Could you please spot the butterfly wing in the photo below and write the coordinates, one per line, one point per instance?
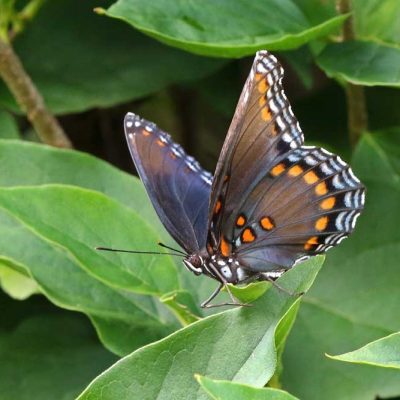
(178, 187)
(275, 201)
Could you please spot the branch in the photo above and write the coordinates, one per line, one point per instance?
(29, 98)
(357, 119)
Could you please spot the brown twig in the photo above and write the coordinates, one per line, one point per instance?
(29, 98)
(357, 119)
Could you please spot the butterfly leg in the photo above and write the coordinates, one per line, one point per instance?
(206, 303)
(282, 289)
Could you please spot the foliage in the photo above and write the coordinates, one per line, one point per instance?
(76, 322)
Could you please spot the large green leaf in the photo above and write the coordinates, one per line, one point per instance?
(79, 60)
(226, 28)
(364, 63)
(225, 390)
(80, 220)
(383, 352)
(46, 353)
(135, 320)
(234, 345)
(356, 296)
(47, 164)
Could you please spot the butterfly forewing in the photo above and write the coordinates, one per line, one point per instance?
(177, 186)
(276, 201)
(263, 130)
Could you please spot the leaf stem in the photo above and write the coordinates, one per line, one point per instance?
(357, 119)
(29, 98)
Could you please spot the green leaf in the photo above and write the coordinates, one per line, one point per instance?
(15, 284)
(79, 60)
(46, 353)
(383, 352)
(225, 390)
(8, 126)
(210, 346)
(363, 63)
(69, 216)
(135, 320)
(50, 165)
(182, 304)
(202, 28)
(377, 20)
(356, 295)
(251, 292)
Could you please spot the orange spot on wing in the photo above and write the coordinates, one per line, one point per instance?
(160, 143)
(328, 203)
(258, 76)
(263, 101)
(267, 223)
(278, 169)
(248, 235)
(217, 207)
(265, 114)
(311, 177)
(295, 170)
(311, 242)
(145, 133)
(321, 223)
(172, 155)
(225, 247)
(262, 86)
(321, 189)
(240, 221)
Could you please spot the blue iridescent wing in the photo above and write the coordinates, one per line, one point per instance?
(178, 187)
(271, 203)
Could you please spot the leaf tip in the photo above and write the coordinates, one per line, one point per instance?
(99, 10)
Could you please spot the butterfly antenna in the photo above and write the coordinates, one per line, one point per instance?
(171, 248)
(137, 252)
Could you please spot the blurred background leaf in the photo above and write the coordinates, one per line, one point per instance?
(46, 353)
(83, 61)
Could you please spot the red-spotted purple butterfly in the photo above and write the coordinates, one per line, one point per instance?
(272, 202)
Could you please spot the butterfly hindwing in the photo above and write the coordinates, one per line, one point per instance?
(177, 186)
(312, 205)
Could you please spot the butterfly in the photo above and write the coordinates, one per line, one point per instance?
(272, 202)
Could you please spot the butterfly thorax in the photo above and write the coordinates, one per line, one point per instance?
(218, 267)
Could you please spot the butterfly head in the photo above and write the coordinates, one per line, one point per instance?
(194, 263)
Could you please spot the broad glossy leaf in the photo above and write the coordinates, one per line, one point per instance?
(225, 390)
(383, 352)
(8, 126)
(79, 220)
(79, 60)
(363, 63)
(135, 320)
(46, 353)
(356, 296)
(226, 28)
(47, 164)
(210, 346)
